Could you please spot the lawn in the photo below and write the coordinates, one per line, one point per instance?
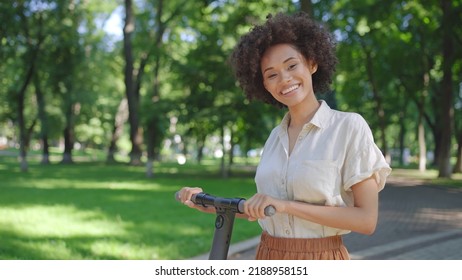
(98, 211)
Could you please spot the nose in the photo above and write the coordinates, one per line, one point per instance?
(286, 76)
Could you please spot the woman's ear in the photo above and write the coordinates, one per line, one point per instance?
(313, 67)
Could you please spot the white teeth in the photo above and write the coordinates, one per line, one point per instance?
(286, 91)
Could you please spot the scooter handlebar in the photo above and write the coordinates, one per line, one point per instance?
(234, 204)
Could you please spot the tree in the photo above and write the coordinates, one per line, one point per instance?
(156, 120)
(393, 31)
(27, 34)
(132, 84)
(447, 94)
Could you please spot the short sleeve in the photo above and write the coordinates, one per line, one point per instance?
(363, 158)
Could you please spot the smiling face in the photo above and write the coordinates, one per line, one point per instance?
(287, 74)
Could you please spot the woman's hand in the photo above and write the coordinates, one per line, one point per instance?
(185, 194)
(255, 206)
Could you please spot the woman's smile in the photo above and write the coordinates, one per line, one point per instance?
(290, 89)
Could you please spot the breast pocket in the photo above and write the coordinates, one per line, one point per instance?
(316, 182)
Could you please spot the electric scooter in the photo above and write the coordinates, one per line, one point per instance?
(226, 209)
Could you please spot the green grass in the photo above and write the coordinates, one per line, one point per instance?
(99, 211)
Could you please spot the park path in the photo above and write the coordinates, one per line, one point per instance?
(416, 222)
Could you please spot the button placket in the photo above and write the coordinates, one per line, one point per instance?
(283, 186)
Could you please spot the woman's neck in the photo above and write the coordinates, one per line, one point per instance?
(301, 115)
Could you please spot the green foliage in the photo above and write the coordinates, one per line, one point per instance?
(186, 44)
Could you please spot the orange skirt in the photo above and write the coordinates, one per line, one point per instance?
(277, 248)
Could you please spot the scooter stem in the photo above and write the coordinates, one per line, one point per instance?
(222, 238)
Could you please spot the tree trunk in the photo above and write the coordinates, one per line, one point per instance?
(401, 137)
(30, 60)
(231, 150)
(447, 107)
(42, 115)
(71, 107)
(436, 131)
(402, 130)
(224, 170)
(22, 133)
(152, 127)
(200, 148)
(119, 120)
(68, 135)
(422, 146)
(421, 128)
(130, 90)
(458, 165)
(458, 131)
(151, 146)
(45, 151)
(231, 153)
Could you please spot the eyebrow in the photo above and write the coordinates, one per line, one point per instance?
(269, 68)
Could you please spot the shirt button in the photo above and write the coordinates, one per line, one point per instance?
(287, 232)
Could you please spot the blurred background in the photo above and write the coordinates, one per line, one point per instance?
(102, 101)
(149, 80)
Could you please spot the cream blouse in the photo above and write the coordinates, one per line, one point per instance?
(334, 151)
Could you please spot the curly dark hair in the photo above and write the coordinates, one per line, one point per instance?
(310, 38)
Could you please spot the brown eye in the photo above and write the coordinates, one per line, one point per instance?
(292, 66)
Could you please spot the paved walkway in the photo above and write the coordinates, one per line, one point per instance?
(416, 222)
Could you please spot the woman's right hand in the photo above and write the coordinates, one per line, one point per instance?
(185, 194)
(255, 206)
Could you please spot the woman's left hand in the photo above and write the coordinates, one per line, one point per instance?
(255, 206)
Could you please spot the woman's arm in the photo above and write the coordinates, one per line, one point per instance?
(362, 217)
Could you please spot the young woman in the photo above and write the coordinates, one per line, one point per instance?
(320, 168)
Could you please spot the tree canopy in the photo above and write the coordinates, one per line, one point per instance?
(151, 79)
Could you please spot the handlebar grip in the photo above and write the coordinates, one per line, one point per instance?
(269, 210)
